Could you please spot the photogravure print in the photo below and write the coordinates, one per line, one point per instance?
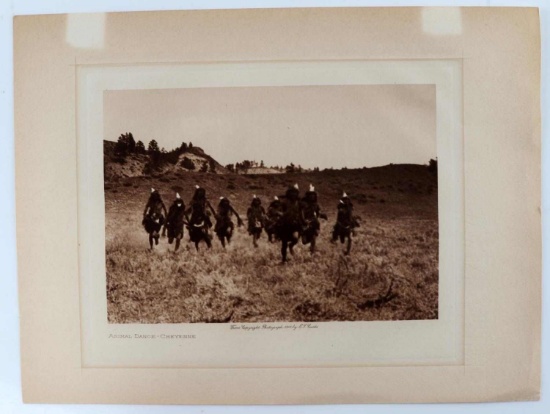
(118, 317)
(270, 204)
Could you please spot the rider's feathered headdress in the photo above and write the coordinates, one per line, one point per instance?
(197, 186)
(222, 197)
(276, 198)
(178, 196)
(344, 195)
(254, 196)
(311, 188)
(296, 186)
(152, 190)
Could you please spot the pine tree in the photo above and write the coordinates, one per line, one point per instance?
(140, 148)
(153, 147)
(121, 147)
(130, 142)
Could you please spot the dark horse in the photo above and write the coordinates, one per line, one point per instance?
(153, 217)
(289, 225)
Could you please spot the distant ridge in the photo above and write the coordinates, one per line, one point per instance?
(191, 160)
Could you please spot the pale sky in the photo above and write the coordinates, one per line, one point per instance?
(315, 126)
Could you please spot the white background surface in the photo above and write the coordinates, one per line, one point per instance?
(10, 391)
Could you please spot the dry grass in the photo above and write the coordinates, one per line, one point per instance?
(391, 274)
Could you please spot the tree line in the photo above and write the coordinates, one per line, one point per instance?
(245, 166)
(126, 144)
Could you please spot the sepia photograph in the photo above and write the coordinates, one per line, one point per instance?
(280, 206)
(270, 204)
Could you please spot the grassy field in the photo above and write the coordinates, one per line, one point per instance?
(391, 274)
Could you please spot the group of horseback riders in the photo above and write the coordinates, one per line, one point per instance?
(289, 217)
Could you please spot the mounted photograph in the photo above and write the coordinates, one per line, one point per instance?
(266, 204)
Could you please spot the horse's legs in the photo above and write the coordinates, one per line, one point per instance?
(197, 245)
(151, 241)
(177, 244)
(255, 239)
(222, 239)
(208, 241)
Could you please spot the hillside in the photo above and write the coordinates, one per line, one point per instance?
(391, 191)
(136, 165)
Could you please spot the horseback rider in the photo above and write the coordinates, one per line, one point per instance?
(153, 217)
(175, 221)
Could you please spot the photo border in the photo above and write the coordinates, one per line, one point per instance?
(442, 340)
(502, 196)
